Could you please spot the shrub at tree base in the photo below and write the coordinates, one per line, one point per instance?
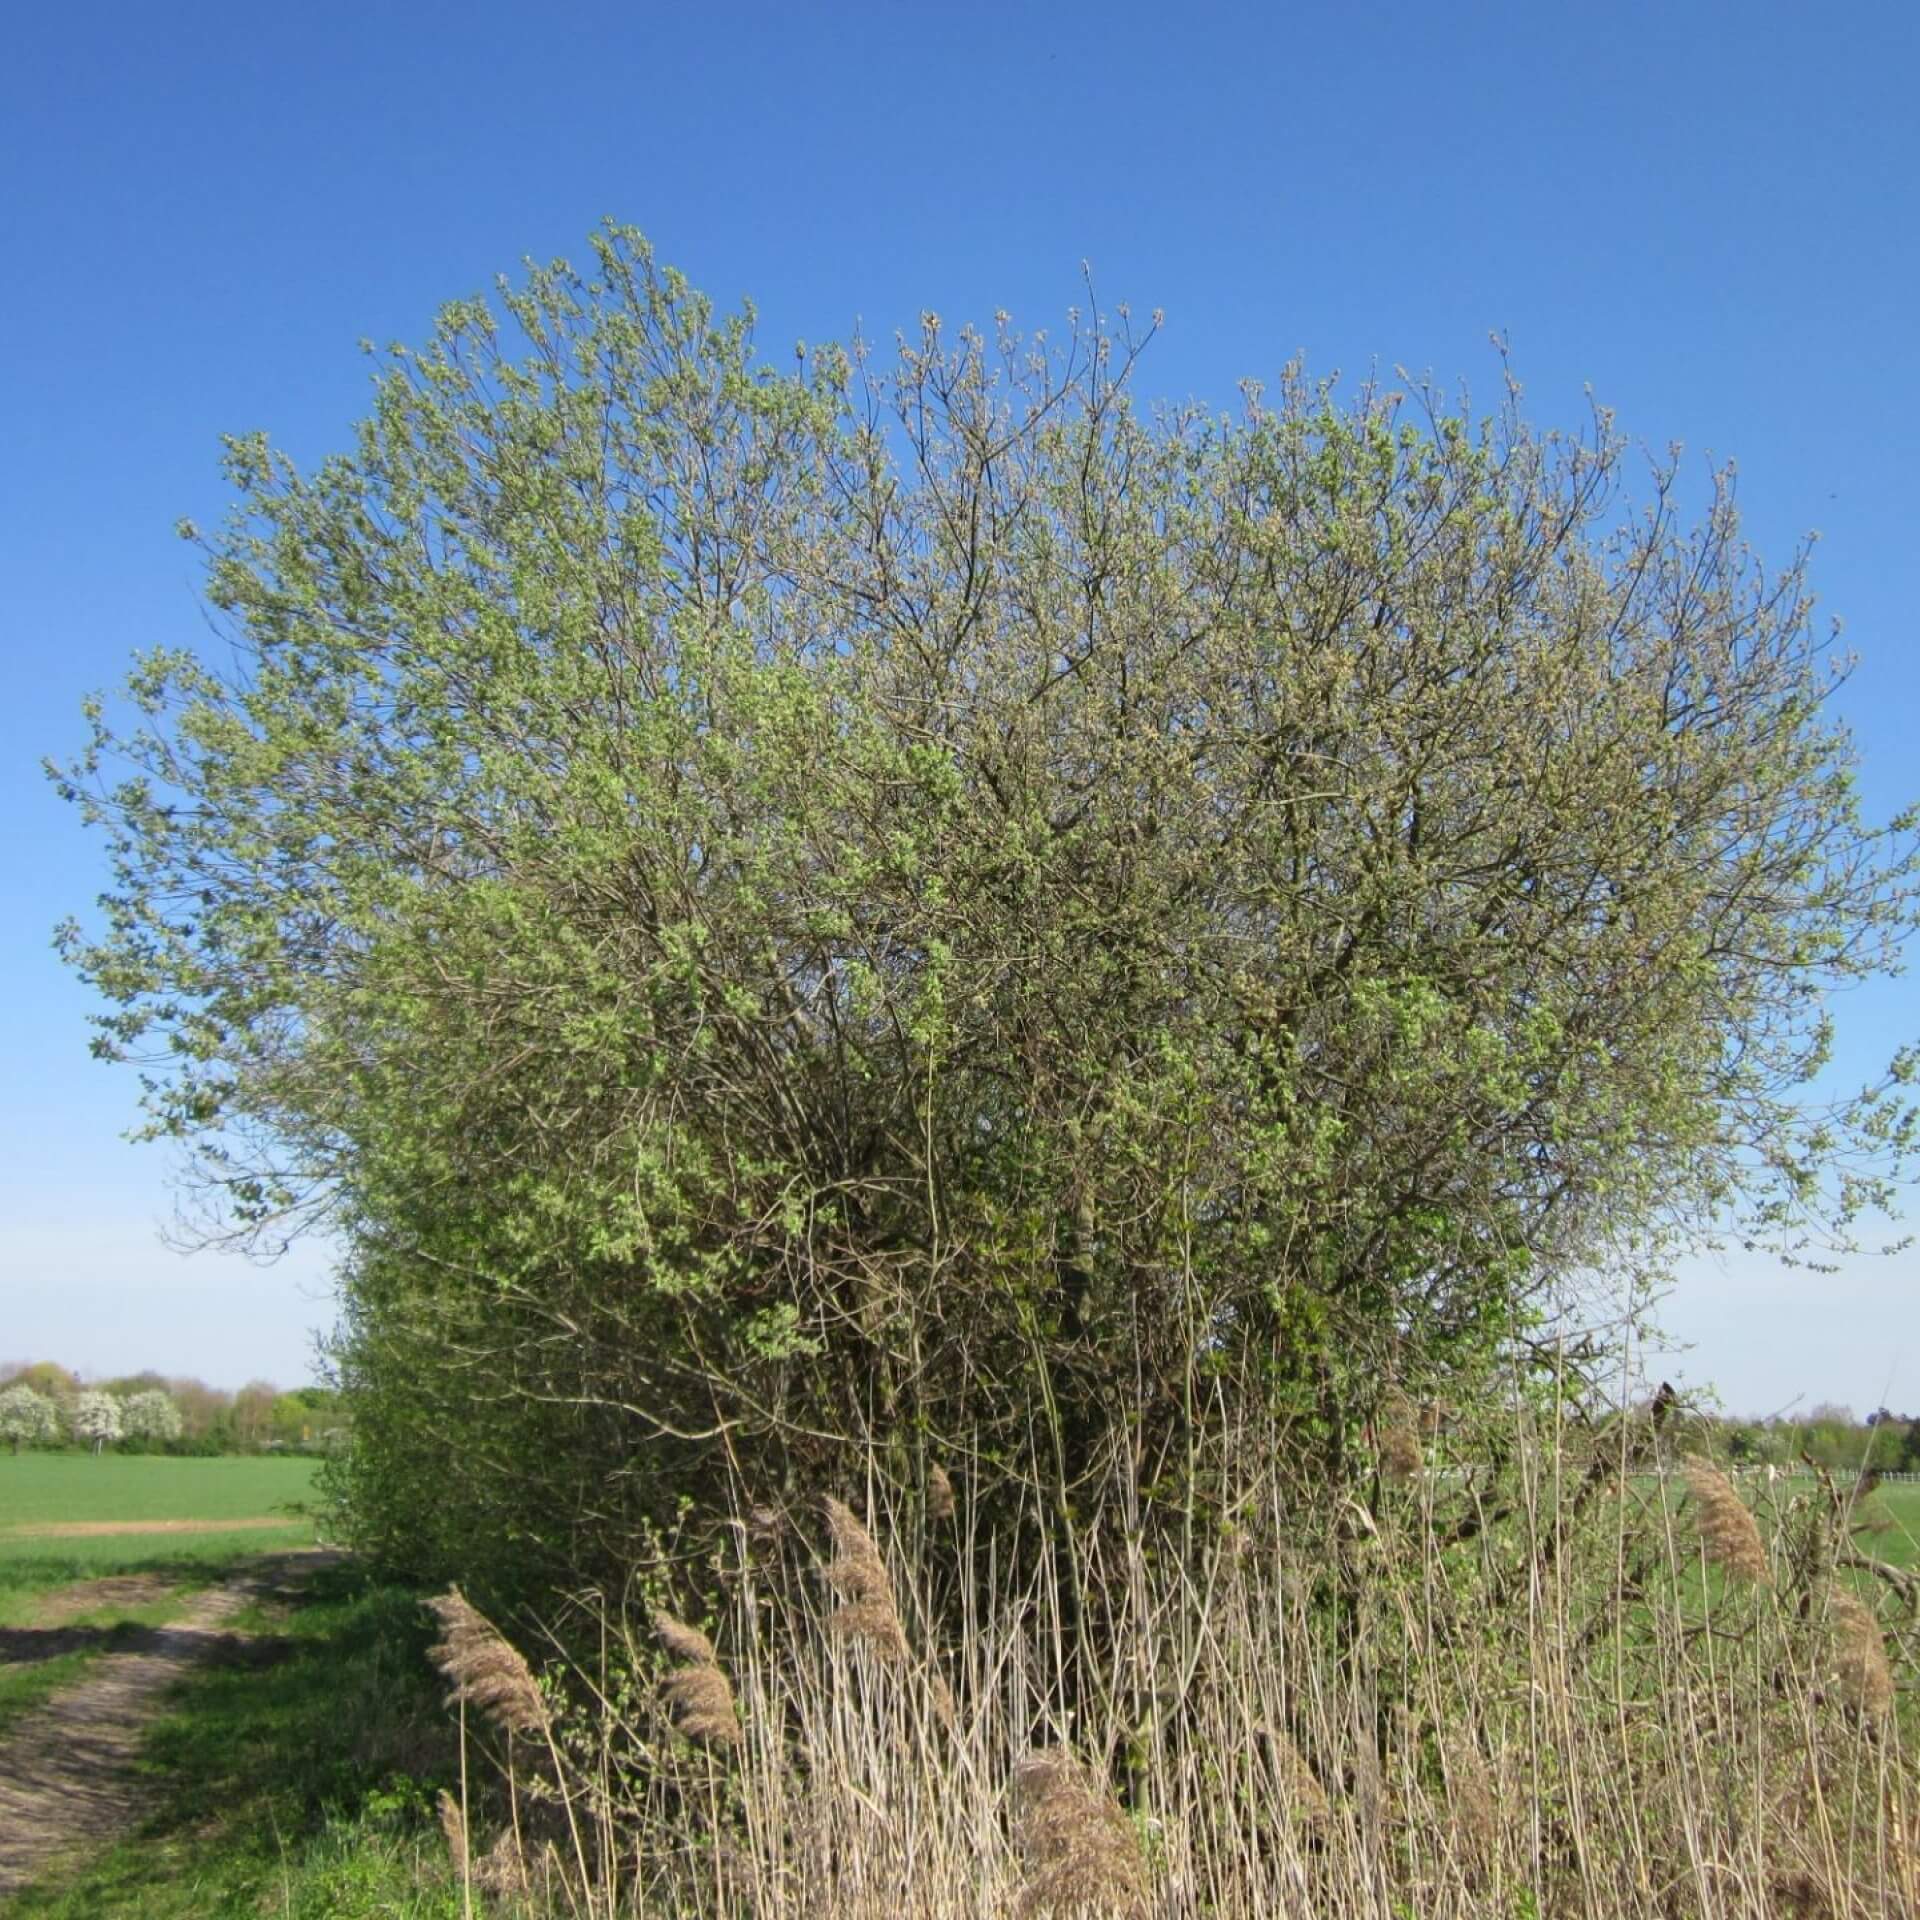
(934, 907)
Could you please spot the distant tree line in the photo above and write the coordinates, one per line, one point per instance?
(46, 1405)
(1828, 1436)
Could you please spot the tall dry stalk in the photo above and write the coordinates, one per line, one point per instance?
(1541, 1715)
(490, 1674)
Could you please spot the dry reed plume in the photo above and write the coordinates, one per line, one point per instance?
(940, 1501)
(698, 1693)
(868, 1612)
(1728, 1532)
(453, 1825)
(1470, 1795)
(1397, 1427)
(501, 1871)
(1301, 1795)
(1083, 1856)
(487, 1672)
(1859, 1654)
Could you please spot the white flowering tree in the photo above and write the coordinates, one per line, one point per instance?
(151, 1416)
(97, 1417)
(27, 1418)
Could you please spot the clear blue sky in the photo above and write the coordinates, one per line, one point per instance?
(1709, 213)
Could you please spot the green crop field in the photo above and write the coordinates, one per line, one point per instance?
(50, 1489)
(69, 1517)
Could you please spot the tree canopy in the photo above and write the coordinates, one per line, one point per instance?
(27, 1418)
(917, 897)
(96, 1416)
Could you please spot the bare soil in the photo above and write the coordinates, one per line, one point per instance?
(90, 1529)
(67, 1780)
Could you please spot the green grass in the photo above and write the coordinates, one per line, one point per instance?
(42, 1562)
(1898, 1545)
(49, 1489)
(301, 1789)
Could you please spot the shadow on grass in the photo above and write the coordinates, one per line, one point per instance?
(32, 1572)
(25, 1646)
(301, 1788)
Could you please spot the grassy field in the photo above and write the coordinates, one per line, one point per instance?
(300, 1782)
(54, 1489)
(172, 1513)
(1897, 1543)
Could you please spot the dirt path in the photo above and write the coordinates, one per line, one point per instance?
(67, 1783)
(98, 1529)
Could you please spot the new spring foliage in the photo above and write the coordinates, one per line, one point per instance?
(871, 897)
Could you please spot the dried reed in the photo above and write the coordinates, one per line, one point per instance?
(1728, 1533)
(1302, 1796)
(1585, 1743)
(940, 1501)
(1397, 1431)
(487, 1672)
(453, 1825)
(490, 1674)
(1083, 1856)
(501, 1871)
(868, 1612)
(698, 1693)
(1470, 1799)
(1859, 1654)
(687, 1644)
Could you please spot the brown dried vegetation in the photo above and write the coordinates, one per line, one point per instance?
(1398, 1424)
(698, 1694)
(868, 1614)
(940, 1501)
(1728, 1533)
(1083, 1857)
(1859, 1654)
(486, 1671)
(1354, 1727)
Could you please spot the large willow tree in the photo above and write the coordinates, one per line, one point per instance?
(930, 905)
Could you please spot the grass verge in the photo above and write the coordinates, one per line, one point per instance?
(299, 1786)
